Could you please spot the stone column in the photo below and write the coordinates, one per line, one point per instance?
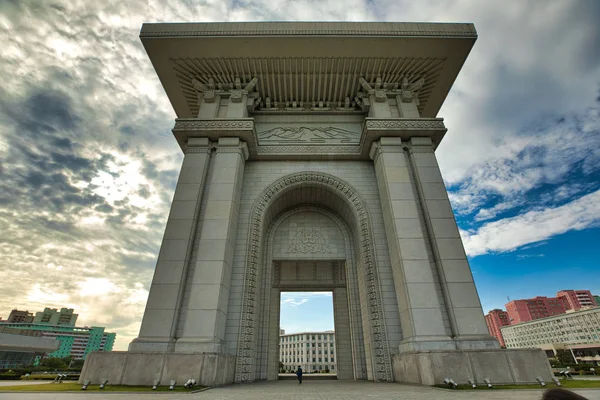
(467, 322)
(421, 313)
(343, 341)
(272, 359)
(162, 309)
(204, 324)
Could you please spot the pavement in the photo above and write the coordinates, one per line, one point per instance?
(309, 390)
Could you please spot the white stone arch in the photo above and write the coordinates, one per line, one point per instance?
(350, 206)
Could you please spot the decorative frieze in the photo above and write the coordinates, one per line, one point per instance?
(308, 149)
(191, 150)
(213, 124)
(420, 149)
(404, 123)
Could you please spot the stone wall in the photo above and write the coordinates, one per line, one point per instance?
(500, 366)
(129, 368)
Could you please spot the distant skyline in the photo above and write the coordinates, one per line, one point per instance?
(88, 163)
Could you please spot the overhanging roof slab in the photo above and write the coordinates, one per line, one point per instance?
(307, 61)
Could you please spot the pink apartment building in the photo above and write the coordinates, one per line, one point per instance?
(496, 319)
(577, 299)
(539, 307)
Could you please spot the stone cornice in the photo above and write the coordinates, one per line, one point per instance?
(405, 128)
(213, 124)
(420, 149)
(196, 150)
(394, 29)
(402, 124)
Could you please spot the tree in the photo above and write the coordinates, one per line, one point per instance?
(564, 357)
(77, 364)
(54, 363)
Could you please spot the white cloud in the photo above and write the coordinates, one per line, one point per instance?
(293, 302)
(534, 226)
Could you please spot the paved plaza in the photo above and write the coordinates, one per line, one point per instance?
(309, 390)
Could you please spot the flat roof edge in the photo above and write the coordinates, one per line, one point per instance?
(225, 29)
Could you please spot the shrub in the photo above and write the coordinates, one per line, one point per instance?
(49, 377)
(9, 377)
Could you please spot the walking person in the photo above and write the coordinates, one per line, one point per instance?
(299, 374)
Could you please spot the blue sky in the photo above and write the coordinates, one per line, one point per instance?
(88, 164)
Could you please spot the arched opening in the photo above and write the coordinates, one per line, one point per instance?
(351, 274)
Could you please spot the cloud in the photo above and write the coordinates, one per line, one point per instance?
(295, 299)
(534, 226)
(293, 302)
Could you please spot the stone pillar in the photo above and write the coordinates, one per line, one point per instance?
(343, 341)
(421, 314)
(271, 363)
(162, 309)
(467, 322)
(203, 329)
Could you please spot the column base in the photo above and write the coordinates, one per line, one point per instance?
(152, 344)
(476, 342)
(512, 366)
(198, 345)
(426, 343)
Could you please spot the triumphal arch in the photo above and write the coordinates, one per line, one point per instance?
(310, 165)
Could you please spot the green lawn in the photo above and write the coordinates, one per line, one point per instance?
(73, 386)
(567, 384)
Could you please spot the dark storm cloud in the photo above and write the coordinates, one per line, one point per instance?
(51, 109)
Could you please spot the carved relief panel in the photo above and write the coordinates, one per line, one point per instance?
(308, 235)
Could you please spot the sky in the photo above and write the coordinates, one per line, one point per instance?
(88, 164)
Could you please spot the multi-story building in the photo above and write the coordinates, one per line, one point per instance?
(530, 309)
(18, 316)
(51, 316)
(74, 341)
(313, 351)
(578, 331)
(496, 319)
(577, 299)
(18, 351)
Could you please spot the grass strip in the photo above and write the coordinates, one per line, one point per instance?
(76, 387)
(567, 384)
